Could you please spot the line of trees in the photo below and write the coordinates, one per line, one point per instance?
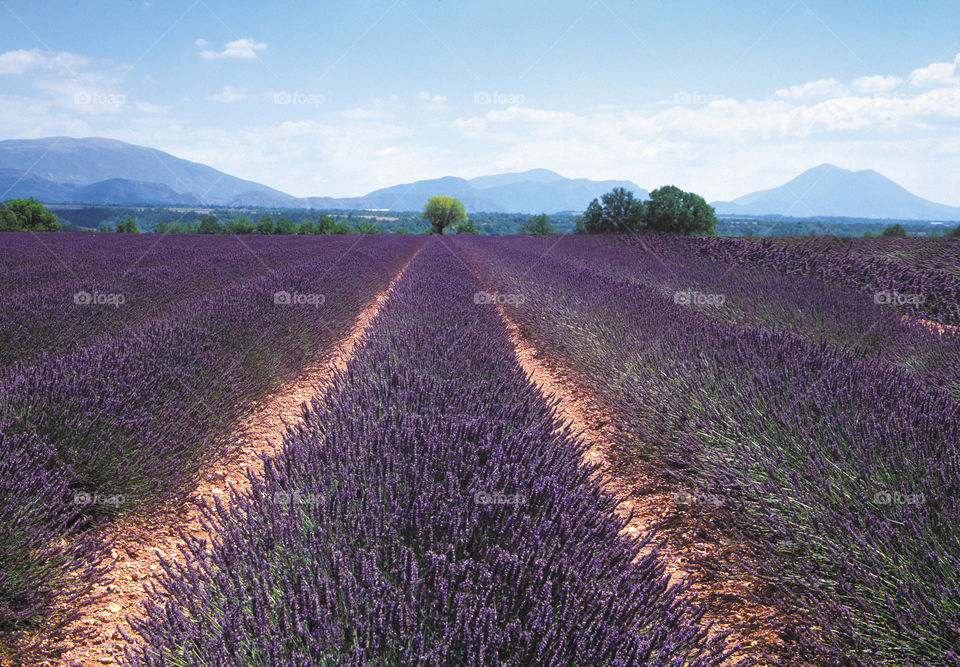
(669, 210)
(267, 224)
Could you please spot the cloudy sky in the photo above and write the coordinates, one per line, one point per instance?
(340, 98)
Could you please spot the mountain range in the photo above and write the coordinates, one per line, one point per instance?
(107, 171)
(828, 190)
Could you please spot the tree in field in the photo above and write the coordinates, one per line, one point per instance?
(306, 227)
(265, 225)
(285, 226)
(537, 225)
(896, 230)
(620, 213)
(674, 211)
(442, 211)
(468, 226)
(324, 224)
(954, 232)
(27, 215)
(128, 226)
(210, 225)
(241, 225)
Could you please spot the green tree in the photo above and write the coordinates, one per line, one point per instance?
(402, 230)
(210, 225)
(675, 211)
(443, 211)
(324, 224)
(161, 227)
(367, 226)
(537, 225)
(27, 215)
(285, 226)
(342, 227)
(468, 226)
(306, 227)
(954, 232)
(896, 230)
(241, 225)
(265, 225)
(619, 213)
(128, 226)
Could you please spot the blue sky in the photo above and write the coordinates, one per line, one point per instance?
(335, 98)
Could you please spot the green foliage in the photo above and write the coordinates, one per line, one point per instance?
(468, 226)
(104, 227)
(955, 232)
(27, 215)
(620, 213)
(242, 225)
(897, 230)
(367, 226)
(128, 226)
(537, 225)
(869, 234)
(324, 224)
(285, 226)
(210, 225)
(402, 230)
(306, 227)
(443, 211)
(265, 225)
(669, 210)
(674, 211)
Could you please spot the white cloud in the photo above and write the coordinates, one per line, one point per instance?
(243, 49)
(937, 74)
(22, 61)
(876, 85)
(229, 95)
(822, 88)
(433, 102)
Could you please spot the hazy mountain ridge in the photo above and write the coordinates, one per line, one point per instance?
(107, 171)
(828, 190)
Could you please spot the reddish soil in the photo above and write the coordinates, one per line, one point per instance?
(755, 627)
(95, 638)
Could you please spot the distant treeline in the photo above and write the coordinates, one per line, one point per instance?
(292, 221)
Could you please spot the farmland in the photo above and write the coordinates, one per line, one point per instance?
(778, 482)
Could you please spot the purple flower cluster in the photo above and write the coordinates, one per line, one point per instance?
(126, 421)
(835, 470)
(444, 518)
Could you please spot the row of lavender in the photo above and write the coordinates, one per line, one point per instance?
(61, 291)
(842, 316)
(920, 283)
(429, 511)
(838, 474)
(123, 424)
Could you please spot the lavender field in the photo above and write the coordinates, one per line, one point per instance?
(797, 405)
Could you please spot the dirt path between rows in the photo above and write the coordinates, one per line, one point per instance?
(95, 638)
(752, 626)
